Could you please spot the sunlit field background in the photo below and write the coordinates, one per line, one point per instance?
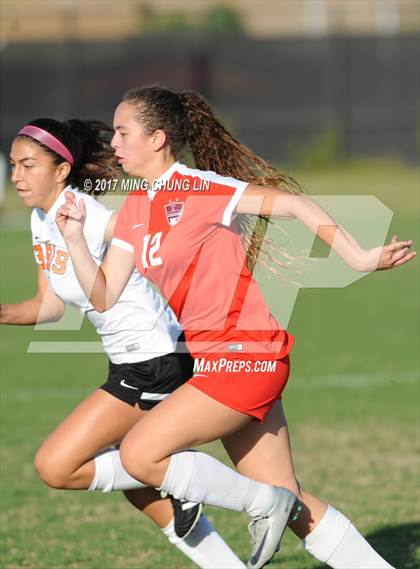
(352, 404)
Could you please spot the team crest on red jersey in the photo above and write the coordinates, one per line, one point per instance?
(174, 211)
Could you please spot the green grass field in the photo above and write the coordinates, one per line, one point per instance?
(352, 404)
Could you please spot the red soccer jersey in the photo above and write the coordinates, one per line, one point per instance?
(185, 240)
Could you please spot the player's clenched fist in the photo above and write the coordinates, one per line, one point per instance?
(70, 217)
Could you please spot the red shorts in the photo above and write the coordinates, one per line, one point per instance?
(248, 386)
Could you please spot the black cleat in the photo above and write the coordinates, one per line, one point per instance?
(186, 516)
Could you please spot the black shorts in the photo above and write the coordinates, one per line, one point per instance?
(148, 382)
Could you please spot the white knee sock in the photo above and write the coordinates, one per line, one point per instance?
(337, 542)
(198, 477)
(204, 546)
(110, 474)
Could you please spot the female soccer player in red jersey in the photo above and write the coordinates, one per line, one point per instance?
(187, 243)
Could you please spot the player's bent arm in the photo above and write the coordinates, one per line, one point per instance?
(102, 285)
(45, 306)
(259, 200)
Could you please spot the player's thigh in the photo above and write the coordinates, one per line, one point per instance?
(98, 422)
(188, 417)
(262, 450)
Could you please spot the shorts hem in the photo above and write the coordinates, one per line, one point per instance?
(258, 415)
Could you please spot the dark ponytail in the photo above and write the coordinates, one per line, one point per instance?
(89, 144)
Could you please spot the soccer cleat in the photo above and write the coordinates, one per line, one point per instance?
(267, 531)
(186, 516)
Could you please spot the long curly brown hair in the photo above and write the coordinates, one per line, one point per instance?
(187, 118)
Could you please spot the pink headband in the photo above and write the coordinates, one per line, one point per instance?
(48, 140)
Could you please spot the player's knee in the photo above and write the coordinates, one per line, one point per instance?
(139, 464)
(50, 470)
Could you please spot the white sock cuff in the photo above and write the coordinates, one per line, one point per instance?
(94, 484)
(328, 533)
(110, 474)
(169, 531)
(179, 462)
(337, 542)
(104, 472)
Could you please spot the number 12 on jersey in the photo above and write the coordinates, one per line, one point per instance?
(151, 245)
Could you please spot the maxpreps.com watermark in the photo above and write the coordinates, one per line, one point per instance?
(224, 365)
(127, 185)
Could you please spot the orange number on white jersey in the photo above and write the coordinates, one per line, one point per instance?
(39, 255)
(51, 259)
(49, 253)
(60, 262)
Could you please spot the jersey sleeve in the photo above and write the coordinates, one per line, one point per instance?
(222, 198)
(42, 249)
(123, 229)
(35, 227)
(97, 218)
(40, 234)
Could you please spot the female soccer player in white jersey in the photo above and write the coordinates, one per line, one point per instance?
(138, 333)
(187, 243)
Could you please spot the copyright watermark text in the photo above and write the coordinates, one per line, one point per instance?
(128, 185)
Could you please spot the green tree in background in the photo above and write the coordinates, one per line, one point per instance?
(220, 18)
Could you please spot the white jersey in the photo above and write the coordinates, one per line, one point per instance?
(139, 326)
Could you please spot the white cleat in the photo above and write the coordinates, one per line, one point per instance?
(267, 532)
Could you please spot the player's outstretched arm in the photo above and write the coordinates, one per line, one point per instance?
(259, 200)
(45, 306)
(102, 285)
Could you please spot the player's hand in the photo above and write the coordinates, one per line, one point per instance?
(395, 254)
(70, 218)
